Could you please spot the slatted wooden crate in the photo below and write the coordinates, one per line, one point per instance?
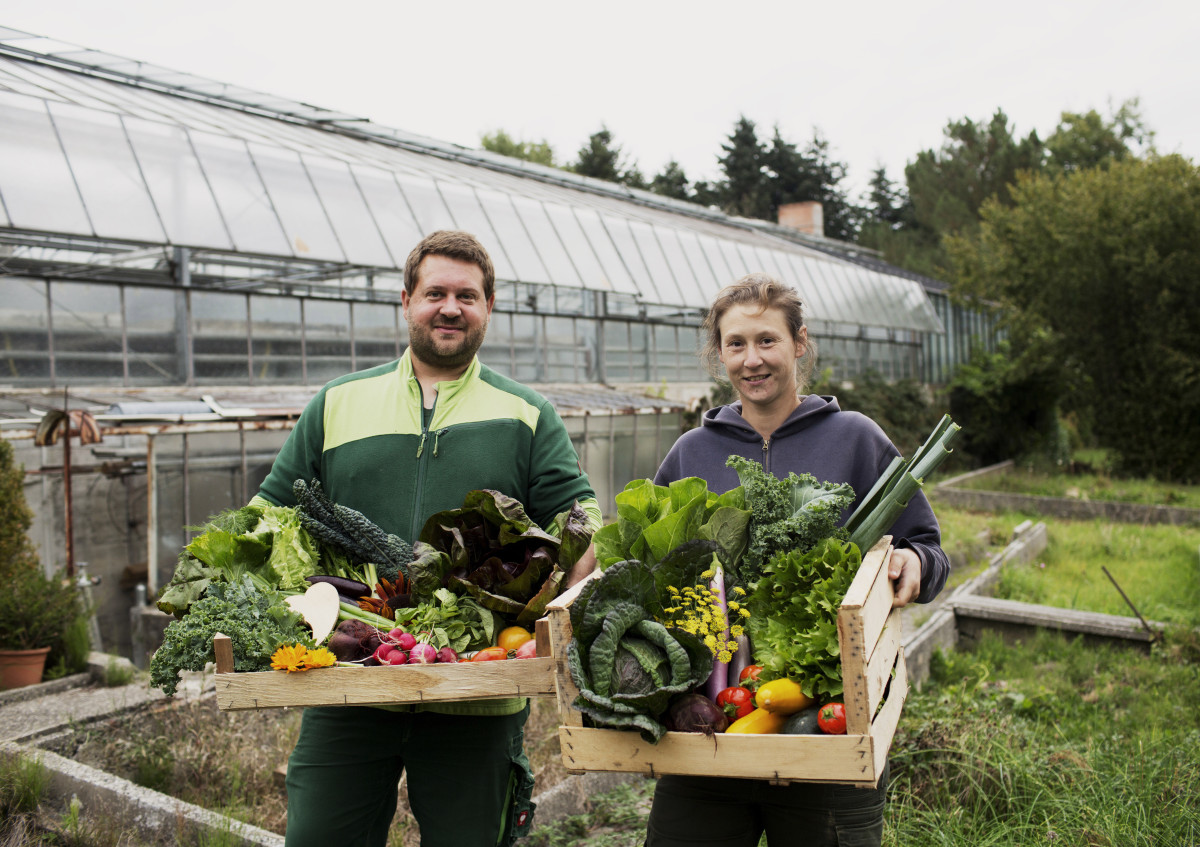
(384, 685)
(872, 664)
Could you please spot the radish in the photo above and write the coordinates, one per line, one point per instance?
(383, 652)
(422, 654)
(405, 640)
(447, 655)
(397, 657)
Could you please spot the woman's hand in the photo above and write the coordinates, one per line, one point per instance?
(904, 570)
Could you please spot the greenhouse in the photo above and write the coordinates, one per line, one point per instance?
(185, 262)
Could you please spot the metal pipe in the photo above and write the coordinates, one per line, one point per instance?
(151, 519)
(70, 535)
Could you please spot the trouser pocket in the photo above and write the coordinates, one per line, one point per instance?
(521, 806)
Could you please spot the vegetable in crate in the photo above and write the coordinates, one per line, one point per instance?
(492, 551)
(626, 664)
(793, 514)
(652, 520)
(351, 532)
(256, 621)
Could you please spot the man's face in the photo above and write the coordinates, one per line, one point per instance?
(447, 313)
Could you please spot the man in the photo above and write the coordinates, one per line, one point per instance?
(398, 443)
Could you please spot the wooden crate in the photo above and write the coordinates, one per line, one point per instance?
(384, 685)
(869, 636)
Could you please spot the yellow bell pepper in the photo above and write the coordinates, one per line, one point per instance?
(781, 696)
(758, 721)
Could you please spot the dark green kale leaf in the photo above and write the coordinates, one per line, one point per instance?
(256, 621)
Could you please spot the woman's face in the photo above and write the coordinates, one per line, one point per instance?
(759, 355)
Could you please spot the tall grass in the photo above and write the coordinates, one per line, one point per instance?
(1051, 742)
(1040, 482)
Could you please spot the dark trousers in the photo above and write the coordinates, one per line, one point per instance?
(717, 812)
(469, 781)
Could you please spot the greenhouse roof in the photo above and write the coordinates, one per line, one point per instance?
(108, 164)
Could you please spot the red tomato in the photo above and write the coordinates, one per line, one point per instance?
(832, 719)
(736, 702)
(490, 654)
(528, 650)
(748, 678)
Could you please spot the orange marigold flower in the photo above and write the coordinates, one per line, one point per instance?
(319, 658)
(289, 658)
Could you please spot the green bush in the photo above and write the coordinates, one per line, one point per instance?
(1008, 406)
(16, 550)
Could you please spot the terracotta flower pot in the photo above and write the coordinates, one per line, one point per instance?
(19, 668)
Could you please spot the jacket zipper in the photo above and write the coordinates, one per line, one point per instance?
(422, 466)
(766, 459)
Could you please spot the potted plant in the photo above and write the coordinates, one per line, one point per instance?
(35, 609)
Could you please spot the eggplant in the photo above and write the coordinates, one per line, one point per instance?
(345, 587)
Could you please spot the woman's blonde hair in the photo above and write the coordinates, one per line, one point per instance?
(766, 292)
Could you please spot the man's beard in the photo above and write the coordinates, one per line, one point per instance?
(446, 354)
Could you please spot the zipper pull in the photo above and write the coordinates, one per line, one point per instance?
(421, 446)
(766, 453)
(436, 436)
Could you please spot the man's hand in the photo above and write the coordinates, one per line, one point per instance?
(904, 570)
(585, 565)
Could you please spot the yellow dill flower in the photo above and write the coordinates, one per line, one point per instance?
(708, 574)
(734, 605)
(319, 658)
(710, 641)
(725, 656)
(289, 658)
(737, 630)
(745, 613)
(739, 591)
(672, 589)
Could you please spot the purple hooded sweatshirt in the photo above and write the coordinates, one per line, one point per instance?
(818, 438)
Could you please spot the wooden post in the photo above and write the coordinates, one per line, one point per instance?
(223, 650)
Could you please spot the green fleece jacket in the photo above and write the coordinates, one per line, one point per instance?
(364, 438)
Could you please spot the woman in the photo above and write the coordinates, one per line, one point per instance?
(756, 335)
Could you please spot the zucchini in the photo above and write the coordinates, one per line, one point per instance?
(803, 722)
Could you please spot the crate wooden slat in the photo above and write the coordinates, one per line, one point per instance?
(869, 636)
(385, 685)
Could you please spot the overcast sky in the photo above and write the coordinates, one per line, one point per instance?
(880, 80)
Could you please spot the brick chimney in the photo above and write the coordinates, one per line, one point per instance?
(807, 217)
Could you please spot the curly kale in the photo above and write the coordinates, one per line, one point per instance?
(792, 514)
(256, 621)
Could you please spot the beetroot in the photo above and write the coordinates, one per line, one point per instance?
(695, 713)
(354, 640)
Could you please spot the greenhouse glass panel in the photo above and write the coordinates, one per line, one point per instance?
(702, 270)
(24, 323)
(88, 332)
(861, 299)
(182, 196)
(639, 352)
(469, 217)
(737, 263)
(391, 212)
(153, 317)
(515, 240)
(618, 361)
(295, 200)
(686, 277)
(326, 340)
(723, 273)
(588, 345)
(583, 258)
(356, 229)
(622, 238)
(809, 289)
(106, 172)
(666, 353)
(35, 181)
(615, 273)
(661, 272)
(220, 345)
(545, 238)
(768, 260)
(563, 353)
(496, 351)
(376, 339)
(426, 203)
(527, 345)
(241, 195)
(276, 348)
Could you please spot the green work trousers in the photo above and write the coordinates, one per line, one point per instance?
(691, 811)
(469, 781)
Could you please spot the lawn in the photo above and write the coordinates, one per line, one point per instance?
(1085, 486)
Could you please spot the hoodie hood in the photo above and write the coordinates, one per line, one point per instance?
(729, 420)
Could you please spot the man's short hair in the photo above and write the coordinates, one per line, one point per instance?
(453, 244)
